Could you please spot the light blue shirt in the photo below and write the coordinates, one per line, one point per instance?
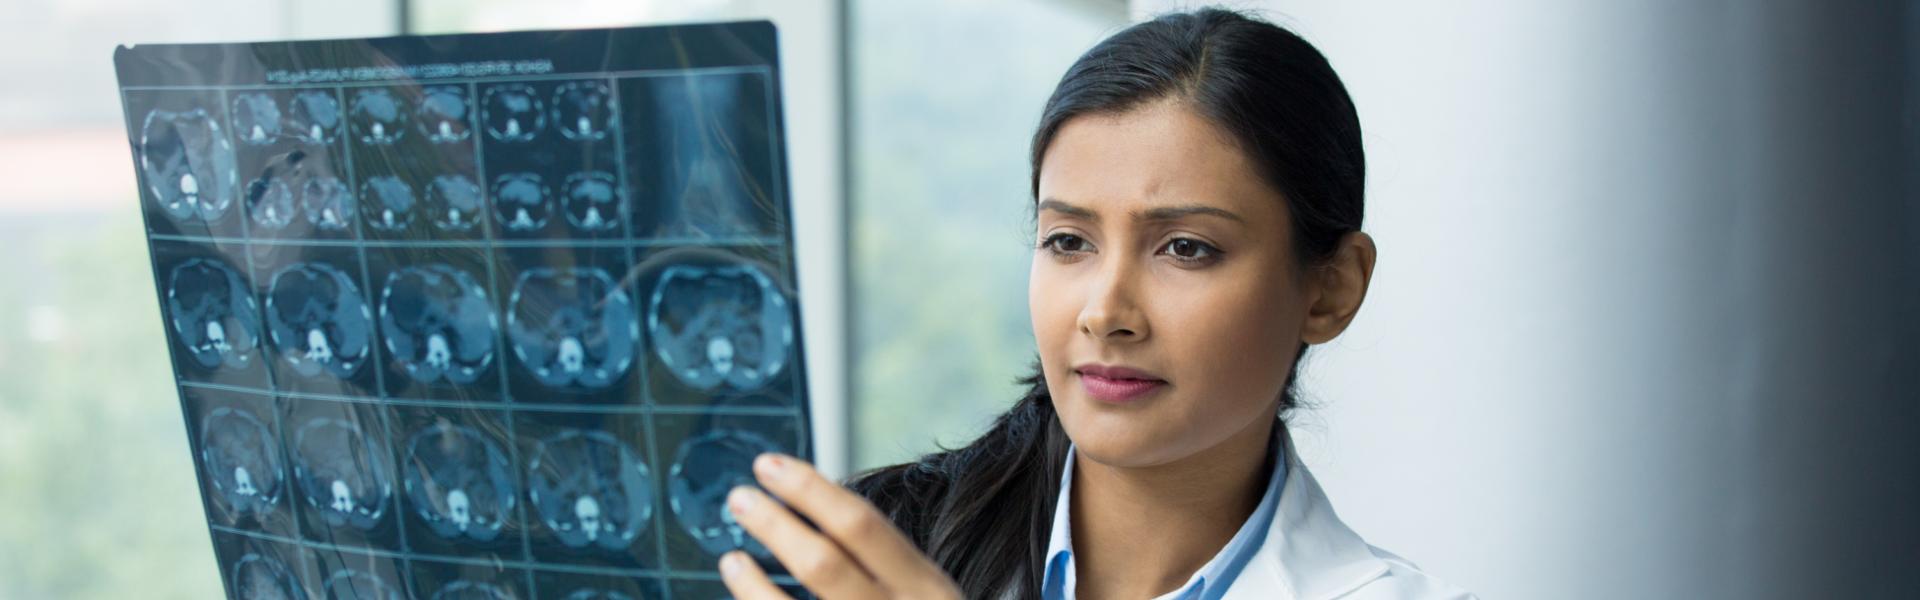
(1210, 582)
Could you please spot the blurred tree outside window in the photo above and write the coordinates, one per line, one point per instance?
(97, 492)
(945, 95)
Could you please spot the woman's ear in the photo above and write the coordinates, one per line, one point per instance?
(1339, 288)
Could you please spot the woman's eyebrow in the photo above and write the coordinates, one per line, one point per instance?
(1068, 209)
(1164, 213)
(1169, 213)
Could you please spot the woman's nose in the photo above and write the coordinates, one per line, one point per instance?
(1112, 312)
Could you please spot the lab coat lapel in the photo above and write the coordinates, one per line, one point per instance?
(1309, 553)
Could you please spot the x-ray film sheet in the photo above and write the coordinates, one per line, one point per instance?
(496, 316)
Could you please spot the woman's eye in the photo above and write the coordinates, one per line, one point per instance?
(1065, 243)
(1192, 250)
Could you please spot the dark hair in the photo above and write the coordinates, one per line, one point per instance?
(983, 512)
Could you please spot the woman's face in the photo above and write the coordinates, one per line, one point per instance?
(1165, 298)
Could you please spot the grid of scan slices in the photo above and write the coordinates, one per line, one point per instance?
(476, 338)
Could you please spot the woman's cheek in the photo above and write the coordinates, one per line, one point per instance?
(1236, 339)
(1050, 306)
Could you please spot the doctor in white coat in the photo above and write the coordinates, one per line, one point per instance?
(1198, 190)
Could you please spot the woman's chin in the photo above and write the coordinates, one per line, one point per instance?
(1123, 440)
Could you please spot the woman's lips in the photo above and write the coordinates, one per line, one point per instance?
(1117, 385)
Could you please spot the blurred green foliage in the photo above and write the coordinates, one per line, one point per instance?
(97, 492)
(945, 96)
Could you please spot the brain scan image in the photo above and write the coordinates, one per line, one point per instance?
(520, 201)
(256, 118)
(715, 326)
(572, 327)
(271, 202)
(259, 577)
(591, 200)
(242, 461)
(513, 112)
(349, 584)
(392, 202)
(442, 115)
(438, 324)
(471, 590)
(378, 117)
(704, 470)
(583, 110)
(590, 489)
(189, 164)
(327, 203)
(339, 473)
(461, 485)
(454, 203)
(314, 117)
(318, 320)
(213, 313)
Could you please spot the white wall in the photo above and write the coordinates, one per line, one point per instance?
(1644, 285)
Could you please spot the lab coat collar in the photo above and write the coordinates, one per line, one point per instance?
(1309, 552)
(1211, 580)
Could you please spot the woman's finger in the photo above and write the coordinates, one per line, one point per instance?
(855, 525)
(745, 580)
(813, 559)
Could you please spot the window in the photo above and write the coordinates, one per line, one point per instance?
(944, 98)
(82, 355)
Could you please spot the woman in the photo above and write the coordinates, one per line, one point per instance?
(1198, 197)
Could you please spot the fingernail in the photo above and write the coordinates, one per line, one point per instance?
(769, 464)
(730, 564)
(740, 500)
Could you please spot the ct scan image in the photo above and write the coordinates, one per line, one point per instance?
(492, 316)
(354, 575)
(344, 482)
(252, 567)
(461, 485)
(720, 323)
(245, 476)
(212, 315)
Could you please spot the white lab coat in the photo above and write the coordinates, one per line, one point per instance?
(1309, 554)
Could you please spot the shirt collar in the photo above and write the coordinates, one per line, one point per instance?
(1214, 578)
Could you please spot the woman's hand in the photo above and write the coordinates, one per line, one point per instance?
(857, 553)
